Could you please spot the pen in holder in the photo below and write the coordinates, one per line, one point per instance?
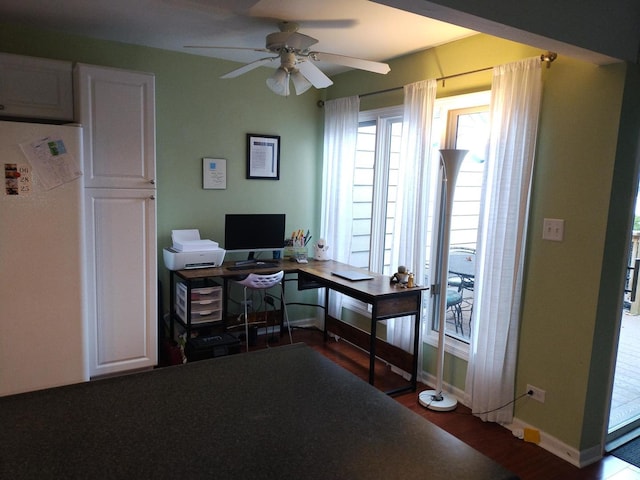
(295, 253)
(296, 247)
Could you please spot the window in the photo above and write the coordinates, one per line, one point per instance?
(463, 122)
(468, 128)
(459, 122)
(375, 188)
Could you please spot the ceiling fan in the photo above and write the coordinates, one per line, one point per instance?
(292, 49)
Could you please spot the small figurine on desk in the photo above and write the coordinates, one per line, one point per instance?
(320, 250)
(401, 276)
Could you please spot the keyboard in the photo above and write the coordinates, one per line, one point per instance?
(252, 266)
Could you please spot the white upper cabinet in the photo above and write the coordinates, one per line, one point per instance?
(36, 88)
(117, 111)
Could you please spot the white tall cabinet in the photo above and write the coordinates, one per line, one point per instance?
(117, 111)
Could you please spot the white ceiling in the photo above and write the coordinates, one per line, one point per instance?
(357, 28)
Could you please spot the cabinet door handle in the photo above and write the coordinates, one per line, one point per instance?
(152, 197)
(152, 181)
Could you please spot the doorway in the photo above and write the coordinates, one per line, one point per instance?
(624, 414)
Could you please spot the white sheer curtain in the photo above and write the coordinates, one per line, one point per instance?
(409, 245)
(340, 139)
(515, 103)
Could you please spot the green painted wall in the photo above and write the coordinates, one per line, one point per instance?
(569, 316)
(573, 175)
(199, 115)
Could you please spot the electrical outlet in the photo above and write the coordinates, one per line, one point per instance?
(536, 393)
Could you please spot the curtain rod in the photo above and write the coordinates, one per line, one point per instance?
(439, 79)
(545, 57)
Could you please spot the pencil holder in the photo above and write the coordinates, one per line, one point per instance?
(294, 253)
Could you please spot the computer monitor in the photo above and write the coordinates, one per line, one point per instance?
(254, 232)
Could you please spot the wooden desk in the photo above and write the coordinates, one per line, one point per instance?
(225, 273)
(387, 301)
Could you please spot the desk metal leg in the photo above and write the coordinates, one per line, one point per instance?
(413, 385)
(372, 345)
(326, 312)
(172, 305)
(409, 308)
(416, 343)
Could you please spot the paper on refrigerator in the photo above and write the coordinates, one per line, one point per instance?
(50, 160)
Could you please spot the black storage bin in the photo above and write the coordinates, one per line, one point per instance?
(210, 346)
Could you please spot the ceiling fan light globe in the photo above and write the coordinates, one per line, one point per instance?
(278, 83)
(300, 83)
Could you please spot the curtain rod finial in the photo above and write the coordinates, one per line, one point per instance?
(548, 57)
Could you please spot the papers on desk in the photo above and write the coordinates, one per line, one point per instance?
(189, 241)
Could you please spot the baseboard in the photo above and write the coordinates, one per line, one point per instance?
(578, 458)
(310, 322)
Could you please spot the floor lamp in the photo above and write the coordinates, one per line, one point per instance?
(450, 161)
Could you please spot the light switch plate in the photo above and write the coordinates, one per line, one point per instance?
(553, 229)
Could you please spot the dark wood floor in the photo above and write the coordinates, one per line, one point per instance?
(527, 460)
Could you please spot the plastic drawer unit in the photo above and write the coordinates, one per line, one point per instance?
(203, 306)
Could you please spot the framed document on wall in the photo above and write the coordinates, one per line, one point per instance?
(214, 173)
(263, 156)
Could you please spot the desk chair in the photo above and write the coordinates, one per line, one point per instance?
(263, 282)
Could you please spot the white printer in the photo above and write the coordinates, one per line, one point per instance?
(189, 251)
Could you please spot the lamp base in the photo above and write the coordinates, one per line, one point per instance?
(438, 401)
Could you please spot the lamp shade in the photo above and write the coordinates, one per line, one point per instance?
(278, 83)
(300, 83)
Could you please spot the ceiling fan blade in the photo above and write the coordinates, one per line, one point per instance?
(268, 19)
(228, 48)
(359, 63)
(314, 74)
(249, 66)
(336, 23)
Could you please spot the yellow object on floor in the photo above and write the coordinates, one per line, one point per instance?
(531, 435)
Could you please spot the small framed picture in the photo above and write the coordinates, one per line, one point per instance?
(263, 156)
(214, 173)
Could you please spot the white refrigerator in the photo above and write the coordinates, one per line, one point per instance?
(42, 318)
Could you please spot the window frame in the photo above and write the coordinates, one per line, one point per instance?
(458, 105)
(464, 103)
(383, 118)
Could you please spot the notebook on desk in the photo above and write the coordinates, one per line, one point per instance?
(353, 275)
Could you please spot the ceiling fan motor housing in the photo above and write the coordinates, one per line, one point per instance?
(288, 61)
(289, 41)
